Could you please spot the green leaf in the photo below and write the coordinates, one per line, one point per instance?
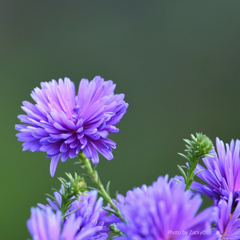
(77, 163)
(86, 175)
(187, 141)
(54, 190)
(50, 196)
(108, 188)
(92, 188)
(71, 201)
(116, 194)
(70, 213)
(182, 171)
(177, 180)
(198, 172)
(182, 166)
(54, 200)
(111, 211)
(63, 181)
(102, 195)
(181, 154)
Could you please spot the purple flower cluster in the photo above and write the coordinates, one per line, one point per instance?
(62, 124)
(164, 211)
(222, 174)
(85, 223)
(223, 178)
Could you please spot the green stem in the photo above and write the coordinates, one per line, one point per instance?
(94, 176)
(197, 148)
(190, 174)
(65, 206)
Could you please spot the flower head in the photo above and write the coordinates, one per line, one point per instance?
(46, 225)
(88, 209)
(62, 124)
(164, 211)
(222, 174)
(228, 223)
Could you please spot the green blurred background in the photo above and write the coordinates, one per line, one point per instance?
(178, 63)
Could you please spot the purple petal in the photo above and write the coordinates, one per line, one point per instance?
(53, 164)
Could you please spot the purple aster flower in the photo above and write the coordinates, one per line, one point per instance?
(89, 210)
(228, 224)
(164, 211)
(46, 225)
(62, 124)
(222, 174)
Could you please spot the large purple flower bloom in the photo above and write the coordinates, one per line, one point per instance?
(89, 210)
(228, 223)
(164, 211)
(62, 124)
(222, 174)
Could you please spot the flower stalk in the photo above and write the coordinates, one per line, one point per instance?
(95, 178)
(196, 149)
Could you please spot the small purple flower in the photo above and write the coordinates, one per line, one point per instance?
(228, 224)
(89, 210)
(222, 174)
(164, 211)
(46, 225)
(62, 124)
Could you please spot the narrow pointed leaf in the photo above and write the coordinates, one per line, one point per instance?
(198, 172)
(177, 180)
(181, 154)
(70, 213)
(182, 171)
(50, 196)
(108, 188)
(111, 211)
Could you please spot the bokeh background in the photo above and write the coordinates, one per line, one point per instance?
(178, 63)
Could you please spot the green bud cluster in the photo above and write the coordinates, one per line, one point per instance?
(114, 229)
(70, 192)
(196, 149)
(75, 186)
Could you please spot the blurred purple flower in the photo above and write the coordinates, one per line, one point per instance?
(89, 210)
(222, 174)
(228, 224)
(164, 211)
(46, 225)
(62, 124)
